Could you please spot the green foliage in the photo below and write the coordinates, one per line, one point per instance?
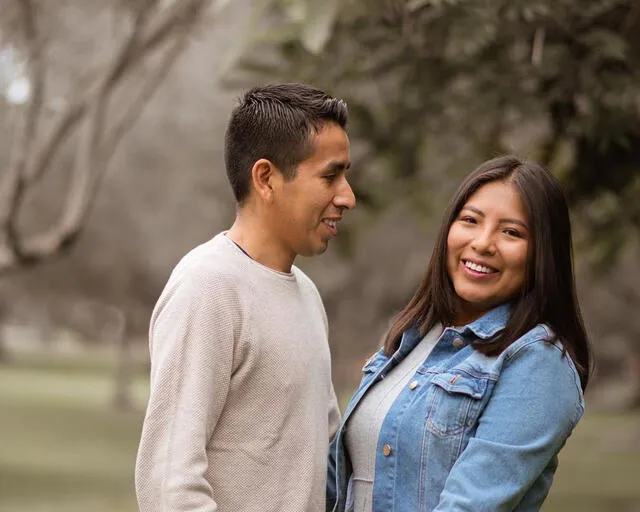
(313, 21)
(483, 72)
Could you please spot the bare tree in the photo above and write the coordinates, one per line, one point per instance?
(156, 33)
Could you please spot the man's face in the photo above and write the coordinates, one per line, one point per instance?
(307, 209)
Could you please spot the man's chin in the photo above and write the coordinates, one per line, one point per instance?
(316, 250)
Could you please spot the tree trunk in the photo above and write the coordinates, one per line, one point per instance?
(122, 400)
(4, 356)
(634, 367)
(4, 353)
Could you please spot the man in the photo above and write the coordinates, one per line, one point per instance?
(242, 408)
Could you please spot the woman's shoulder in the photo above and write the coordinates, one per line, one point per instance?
(540, 341)
(540, 336)
(542, 347)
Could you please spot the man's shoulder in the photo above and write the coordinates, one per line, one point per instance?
(209, 263)
(309, 289)
(303, 279)
(213, 256)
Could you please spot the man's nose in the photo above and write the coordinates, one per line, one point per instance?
(345, 198)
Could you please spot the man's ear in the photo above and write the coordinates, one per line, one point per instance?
(265, 177)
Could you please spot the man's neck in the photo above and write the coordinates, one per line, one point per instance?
(256, 240)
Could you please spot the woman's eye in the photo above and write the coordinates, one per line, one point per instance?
(512, 232)
(468, 220)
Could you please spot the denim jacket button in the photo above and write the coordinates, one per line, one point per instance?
(386, 449)
(413, 385)
(458, 343)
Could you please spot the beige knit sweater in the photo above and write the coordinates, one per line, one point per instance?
(241, 407)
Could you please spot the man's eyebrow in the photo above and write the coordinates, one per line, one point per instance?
(502, 221)
(337, 166)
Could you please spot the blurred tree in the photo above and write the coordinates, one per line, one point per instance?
(75, 77)
(559, 78)
(152, 36)
(99, 107)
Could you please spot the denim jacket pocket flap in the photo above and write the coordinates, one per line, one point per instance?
(454, 403)
(462, 384)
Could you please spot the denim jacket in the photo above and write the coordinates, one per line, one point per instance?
(470, 432)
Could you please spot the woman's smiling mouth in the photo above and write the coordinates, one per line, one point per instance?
(477, 269)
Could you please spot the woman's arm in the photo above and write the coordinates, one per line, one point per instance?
(535, 405)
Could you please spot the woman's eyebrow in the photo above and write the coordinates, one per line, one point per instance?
(502, 221)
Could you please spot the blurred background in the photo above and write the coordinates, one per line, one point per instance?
(112, 117)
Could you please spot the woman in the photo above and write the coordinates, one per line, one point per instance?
(480, 380)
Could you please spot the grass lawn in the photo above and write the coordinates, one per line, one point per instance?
(599, 467)
(64, 450)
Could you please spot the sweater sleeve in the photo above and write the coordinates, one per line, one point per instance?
(334, 415)
(334, 409)
(192, 336)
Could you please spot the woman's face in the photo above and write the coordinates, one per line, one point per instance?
(487, 249)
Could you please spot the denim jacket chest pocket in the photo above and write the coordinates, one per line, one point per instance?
(455, 401)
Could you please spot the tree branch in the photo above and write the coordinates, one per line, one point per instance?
(96, 143)
(36, 79)
(537, 47)
(130, 53)
(14, 187)
(153, 81)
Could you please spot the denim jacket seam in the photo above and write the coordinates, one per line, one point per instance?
(579, 413)
(490, 376)
(568, 365)
(572, 367)
(576, 375)
(477, 375)
(527, 343)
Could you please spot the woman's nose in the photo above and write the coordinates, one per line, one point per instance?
(483, 243)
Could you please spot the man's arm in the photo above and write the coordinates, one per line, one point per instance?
(334, 415)
(192, 340)
(332, 490)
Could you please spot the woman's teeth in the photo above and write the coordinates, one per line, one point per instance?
(478, 268)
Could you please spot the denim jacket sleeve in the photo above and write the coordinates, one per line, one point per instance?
(536, 403)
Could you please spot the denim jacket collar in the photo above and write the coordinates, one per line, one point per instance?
(410, 338)
(483, 329)
(488, 325)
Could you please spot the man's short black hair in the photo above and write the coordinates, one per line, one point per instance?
(276, 122)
